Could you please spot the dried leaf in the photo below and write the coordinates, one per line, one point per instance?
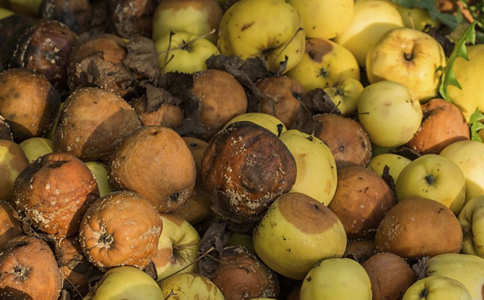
(420, 267)
(150, 269)
(142, 57)
(157, 96)
(216, 238)
(304, 121)
(388, 178)
(407, 152)
(65, 295)
(29, 229)
(319, 102)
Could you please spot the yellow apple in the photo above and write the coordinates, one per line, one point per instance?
(389, 112)
(270, 29)
(36, 147)
(469, 75)
(190, 286)
(5, 13)
(184, 52)
(371, 20)
(324, 64)
(416, 18)
(198, 17)
(395, 164)
(267, 121)
(437, 288)
(324, 19)
(410, 57)
(344, 95)
(471, 219)
(12, 162)
(100, 172)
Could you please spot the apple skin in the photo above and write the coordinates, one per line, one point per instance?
(371, 20)
(198, 17)
(433, 177)
(175, 57)
(344, 95)
(12, 162)
(5, 13)
(178, 247)
(337, 278)
(469, 156)
(395, 164)
(36, 147)
(100, 172)
(324, 64)
(270, 29)
(267, 121)
(25, 7)
(465, 268)
(295, 233)
(410, 57)
(437, 288)
(471, 219)
(389, 112)
(190, 286)
(469, 75)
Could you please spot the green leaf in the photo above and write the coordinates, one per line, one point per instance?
(475, 125)
(462, 35)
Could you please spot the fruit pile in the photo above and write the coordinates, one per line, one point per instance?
(250, 149)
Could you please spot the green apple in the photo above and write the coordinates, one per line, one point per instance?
(469, 156)
(471, 219)
(270, 29)
(465, 268)
(337, 278)
(469, 74)
(5, 13)
(371, 21)
(198, 17)
(390, 113)
(410, 57)
(324, 64)
(433, 177)
(25, 7)
(36, 147)
(344, 95)
(190, 286)
(125, 283)
(295, 233)
(316, 167)
(324, 19)
(184, 52)
(267, 121)
(395, 164)
(437, 288)
(12, 162)
(178, 247)
(100, 172)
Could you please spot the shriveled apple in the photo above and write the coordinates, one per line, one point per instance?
(10, 223)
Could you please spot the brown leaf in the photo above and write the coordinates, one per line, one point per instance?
(304, 121)
(388, 178)
(29, 229)
(157, 96)
(319, 102)
(216, 237)
(406, 152)
(142, 58)
(150, 269)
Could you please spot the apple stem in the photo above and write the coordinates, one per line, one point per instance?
(411, 20)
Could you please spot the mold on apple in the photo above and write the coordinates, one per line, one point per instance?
(76, 14)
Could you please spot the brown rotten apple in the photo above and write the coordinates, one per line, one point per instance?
(76, 14)
(12, 162)
(9, 223)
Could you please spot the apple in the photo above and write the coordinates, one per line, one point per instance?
(316, 165)
(177, 248)
(469, 74)
(416, 18)
(270, 29)
(465, 268)
(324, 64)
(437, 288)
(371, 21)
(337, 278)
(295, 233)
(12, 162)
(5, 13)
(273, 124)
(324, 19)
(198, 17)
(344, 95)
(433, 177)
(410, 57)
(471, 219)
(469, 156)
(395, 164)
(125, 282)
(100, 172)
(183, 52)
(390, 113)
(25, 7)
(36, 147)
(190, 286)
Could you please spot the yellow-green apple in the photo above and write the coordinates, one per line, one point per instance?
(416, 18)
(183, 52)
(25, 7)
(395, 164)
(337, 278)
(344, 95)
(433, 177)
(238, 239)
(469, 75)
(324, 64)
(267, 121)
(410, 57)
(469, 156)
(471, 220)
(190, 286)
(12, 162)
(5, 13)
(316, 166)
(371, 20)
(178, 247)
(36, 147)
(390, 113)
(125, 282)
(295, 233)
(465, 268)
(198, 17)
(324, 19)
(270, 29)
(100, 172)
(437, 288)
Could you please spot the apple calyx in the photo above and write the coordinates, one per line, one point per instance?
(430, 179)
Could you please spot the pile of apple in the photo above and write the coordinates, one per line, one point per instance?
(251, 149)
